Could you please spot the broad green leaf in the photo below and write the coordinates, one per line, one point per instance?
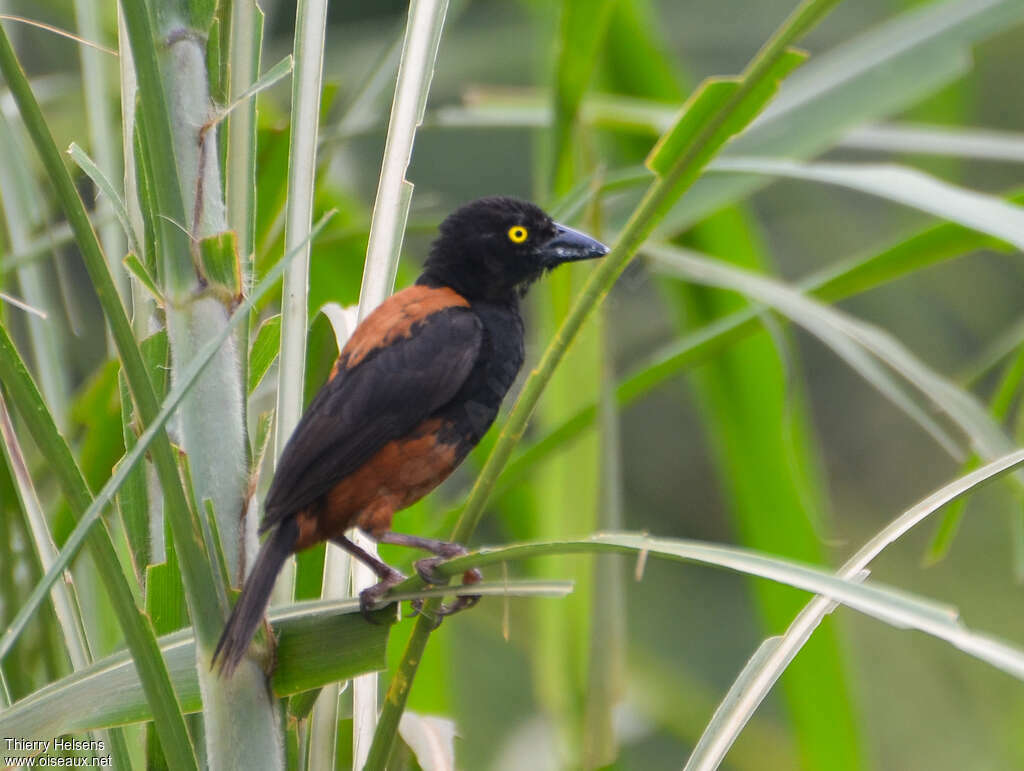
(318, 643)
(697, 121)
(165, 595)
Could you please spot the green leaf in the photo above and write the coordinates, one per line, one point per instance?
(165, 596)
(880, 73)
(318, 643)
(1002, 400)
(758, 425)
(106, 187)
(849, 277)
(221, 266)
(142, 275)
(951, 141)
(133, 498)
(985, 213)
(718, 110)
(198, 576)
(892, 606)
(279, 71)
(264, 350)
(839, 331)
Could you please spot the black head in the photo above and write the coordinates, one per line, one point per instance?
(494, 248)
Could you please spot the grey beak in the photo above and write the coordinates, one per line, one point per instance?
(570, 245)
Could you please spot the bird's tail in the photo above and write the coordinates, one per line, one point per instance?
(255, 595)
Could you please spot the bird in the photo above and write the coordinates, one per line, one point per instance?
(412, 391)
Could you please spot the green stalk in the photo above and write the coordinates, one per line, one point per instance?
(730, 117)
(245, 42)
(606, 668)
(308, 50)
(181, 146)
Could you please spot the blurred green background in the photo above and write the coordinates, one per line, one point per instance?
(776, 444)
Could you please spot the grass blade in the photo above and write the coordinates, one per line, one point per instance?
(63, 595)
(23, 213)
(759, 676)
(984, 213)
(918, 139)
(894, 607)
(102, 134)
(958, 405)
(113, 199)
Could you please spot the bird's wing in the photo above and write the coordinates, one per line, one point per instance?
(382, 389)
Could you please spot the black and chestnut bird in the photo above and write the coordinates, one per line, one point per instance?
(415, 388)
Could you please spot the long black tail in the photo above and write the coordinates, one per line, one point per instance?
(255, 595)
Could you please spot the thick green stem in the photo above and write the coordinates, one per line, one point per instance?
(242, 728)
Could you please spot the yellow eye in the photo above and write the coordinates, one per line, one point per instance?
(517, 234)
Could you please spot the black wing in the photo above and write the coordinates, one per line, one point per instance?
(383, 397)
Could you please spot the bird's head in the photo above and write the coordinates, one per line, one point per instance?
(494, 248)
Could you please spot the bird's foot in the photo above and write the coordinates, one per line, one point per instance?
(427, 570)
(371, 598)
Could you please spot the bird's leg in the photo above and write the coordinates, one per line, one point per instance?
(369, 597)
(427, 567)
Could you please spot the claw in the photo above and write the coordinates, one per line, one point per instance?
(371, 597)
(427, 570)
